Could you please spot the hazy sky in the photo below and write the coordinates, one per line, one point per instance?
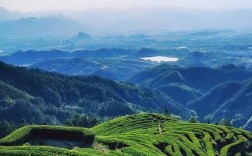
(35, 5)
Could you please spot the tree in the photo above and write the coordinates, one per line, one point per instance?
(193, 119)
(225, 122)
(24, 122)
(5, 128)
(208, 119)
(166, 112)
(81, 121)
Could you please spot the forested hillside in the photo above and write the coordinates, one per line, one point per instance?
(216, 94)
(230, 101)
(186, 84)
(41, 96)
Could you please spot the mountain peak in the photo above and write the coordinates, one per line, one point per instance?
(2, 9)
(82, 35)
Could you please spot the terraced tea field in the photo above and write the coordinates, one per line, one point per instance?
(137, 135)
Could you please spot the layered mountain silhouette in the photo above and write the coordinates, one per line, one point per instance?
(39, 27)
(230, 100)
(39, 95)
(216, 94)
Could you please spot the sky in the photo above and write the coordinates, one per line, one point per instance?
(46, 5)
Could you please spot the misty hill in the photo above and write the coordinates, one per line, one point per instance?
(115, 69)
(81, 36)
(199, 78)
(31, 56)
(8, 15)
(138, 19)
(39, 27)
(231, 100)
(57, 96)
(115, 64)
(71, 66)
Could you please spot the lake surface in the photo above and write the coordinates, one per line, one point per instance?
(160, 59)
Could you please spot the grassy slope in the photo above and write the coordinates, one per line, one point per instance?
(151, 134)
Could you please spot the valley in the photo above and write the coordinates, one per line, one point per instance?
(135, 81)
(106, 83)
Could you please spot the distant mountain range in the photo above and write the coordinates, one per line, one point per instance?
(151, 19)
(136, 19)
(8, 15)
(39, 27)
(114, 69)
(115, 64)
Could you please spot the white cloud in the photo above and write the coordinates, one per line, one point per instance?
(35, 5)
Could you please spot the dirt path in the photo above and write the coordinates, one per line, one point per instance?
(160, 128)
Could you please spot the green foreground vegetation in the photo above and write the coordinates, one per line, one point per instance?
(137, 135)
